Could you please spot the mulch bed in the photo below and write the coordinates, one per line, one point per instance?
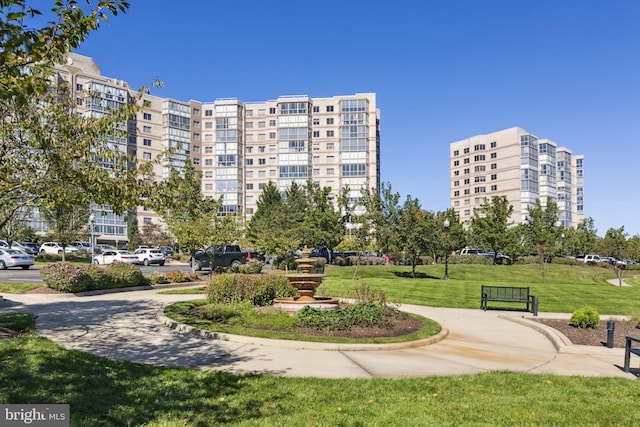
(594, 337)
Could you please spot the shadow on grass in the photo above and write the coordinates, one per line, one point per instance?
(102, 391)
(418, 275)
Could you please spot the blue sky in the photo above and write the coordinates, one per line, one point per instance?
(443, 70)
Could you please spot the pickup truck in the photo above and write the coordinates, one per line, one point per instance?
(225, 256)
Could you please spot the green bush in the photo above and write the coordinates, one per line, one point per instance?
(158, 278)
(585, 318)
(352, 316)
(66, 277)
(179, 276)
(125, 275)
(253, 266)
(236, 288)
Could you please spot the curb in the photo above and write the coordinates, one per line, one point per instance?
(301, 345)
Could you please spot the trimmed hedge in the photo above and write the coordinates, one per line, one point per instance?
(258, 289)
(585, 318)
(67, 277)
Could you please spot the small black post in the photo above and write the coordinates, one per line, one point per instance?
(611, 326)
(534, 306)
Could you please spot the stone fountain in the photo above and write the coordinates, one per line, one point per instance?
(306, 283)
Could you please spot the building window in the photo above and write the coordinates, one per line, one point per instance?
(481, 178)
(78, 86)
(79, 101)
(146, 116)
(262, 161)
(466, 192)
(479, 147)
(146, 155)
(466, 171)
(196, 111)
(249, 125)
(272, 135)
(208, 113)
(466, 161)
(480, 168)
(466, 151)
(261, 111)
(272, 110)
(249, 186)
(494, 187)
(330, 146)
(262, 124)
(466, 181)
(146, 129)
(494, 177)
(494, 155)
(249, 162)
(261, 149)
(493, 144)
(272, 122)
(494, 166)
(479, 158)
(456, 193)
(480, 190)
(330, 171)
(330, 134)
(146, 142)
(316, 133)
(249, 113)
(208, 187)
(456, 153)
(146, 220)
(456, 163)
(316, 122)
(456, 183)
(456, 173)
(329, 121)
(196, 161)
(316, 109)
(208, 162)
(329, 108)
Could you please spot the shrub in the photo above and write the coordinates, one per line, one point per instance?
(178, 276)
(158, 278)
(99, 278)
(66, 277)
(253, 288)
(253, 266)
(352, 316)
(366, 295)
(125, 275)
(585, 318)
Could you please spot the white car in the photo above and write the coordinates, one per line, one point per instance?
(56, 248)
(111, 256)
(149, 256)
(14, 258)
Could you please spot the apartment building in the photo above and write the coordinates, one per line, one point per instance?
(237, 146)
(516, 164)
(334, 142)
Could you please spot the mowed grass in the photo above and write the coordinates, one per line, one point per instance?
(565, 288)
(104, 392)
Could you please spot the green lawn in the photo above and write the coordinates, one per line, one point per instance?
(566, 288)
(103, 392)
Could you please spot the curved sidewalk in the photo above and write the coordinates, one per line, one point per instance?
(124, 325)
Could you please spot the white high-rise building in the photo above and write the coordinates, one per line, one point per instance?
(516, 164)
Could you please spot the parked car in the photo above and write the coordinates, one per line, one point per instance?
(108, 247)
(224, 256)
(167, 251)
(4, 244)
(30, 248)
(55, 248)
(14, 258)
(111, 256)
(148, 256)
(592, 258)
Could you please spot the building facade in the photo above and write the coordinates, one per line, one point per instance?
(516, 164)
(237, 146)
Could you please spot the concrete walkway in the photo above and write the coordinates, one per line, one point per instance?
(130, 326)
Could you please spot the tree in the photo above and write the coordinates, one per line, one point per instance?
(417, 232)
(49, 156)
(322, 223)
(585, 239)
(67, 224)
(382, 216)
(152, 235)
(490, 223)
(453, 237)
(269, 200)
(541, 229)
(188, 215)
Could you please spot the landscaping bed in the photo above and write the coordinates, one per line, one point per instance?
(594, 337)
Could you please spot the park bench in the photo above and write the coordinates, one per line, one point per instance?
(628, 349)
(508, 294)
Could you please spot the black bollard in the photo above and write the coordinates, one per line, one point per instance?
(611, 326)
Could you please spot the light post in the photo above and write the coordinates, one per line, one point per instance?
(446, 248)
(92, 221)
(562, 237)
